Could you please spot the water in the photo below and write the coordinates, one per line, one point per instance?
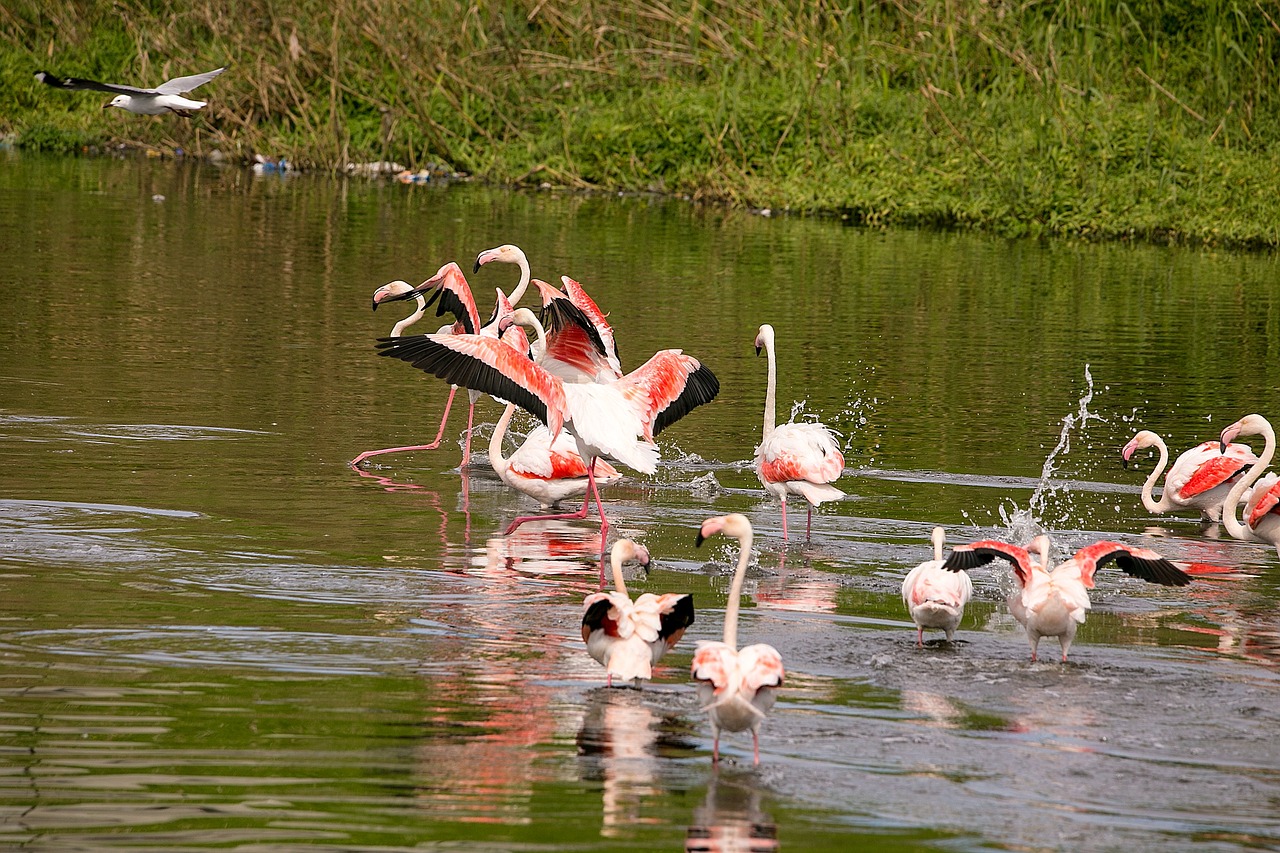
(216, 635)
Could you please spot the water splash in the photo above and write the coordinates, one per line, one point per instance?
(1025, 524)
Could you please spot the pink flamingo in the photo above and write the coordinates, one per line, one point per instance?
(546, 470)
(795, 458)
(1200, 477)
(618, 419)
(1262, 509)
(580, 345)
(450, 287)
(508, 254)
(736, 687)
(1055, 603)
(934, 597)
(628, 637)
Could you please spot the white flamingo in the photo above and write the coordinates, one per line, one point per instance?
(736, 687)
(545, 470)
(1262, 509)
(1055, 603)
(795, 458)
(1200, 477)
(629, 637)
(936, 597)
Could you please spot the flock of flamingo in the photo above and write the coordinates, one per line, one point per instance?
(571, 379)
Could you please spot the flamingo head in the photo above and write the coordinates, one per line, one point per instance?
(734, 524)
(391, 291)
(1041, 545)
(1248, 425)
(504, 254)
(764, 338)
(518, 317)
(625, 550)
(1145, 438)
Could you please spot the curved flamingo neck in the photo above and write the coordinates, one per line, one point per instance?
(1148, 498)
(770, 394)
(525, 317)
(499, 462)
(939, 540)
(615, 562)
(523, 263)
(735, 591)
(398, 329)
(1234, 527)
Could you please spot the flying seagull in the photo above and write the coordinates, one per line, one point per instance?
(167, 97)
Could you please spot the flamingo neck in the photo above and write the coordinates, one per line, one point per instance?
(398, 329)
(1148, 500)
(938, 541)
(496, 459)
(1234, 527)
(523, 263)
(619, 583)
(770, 394)
(735, 592)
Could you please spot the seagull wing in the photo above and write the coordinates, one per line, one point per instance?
(179, 85)
(79, 84)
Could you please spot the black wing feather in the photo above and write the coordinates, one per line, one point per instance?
(426, 353)
(959, 561)
(1153, 570)
(702, 387)
(596, 613)
(561, 313)
(450, 304)
(679, 618)
(79, 84)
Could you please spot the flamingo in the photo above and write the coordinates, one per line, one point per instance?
(1200, 477)
(936, 598)
(451, 288)
(628, 637)
(795, 458)
(548, 471)
(1262, 509)
(1055, 603)
(736, 687)
(618, 419)
(508, 254)
(580, 345)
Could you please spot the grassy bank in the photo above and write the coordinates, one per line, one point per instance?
(1153, 121)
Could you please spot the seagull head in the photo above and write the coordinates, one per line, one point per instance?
(121, 101)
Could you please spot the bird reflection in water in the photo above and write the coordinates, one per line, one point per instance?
(432, 499)
(618, 746)
(730, 819)
(550, 550)
(799, 588)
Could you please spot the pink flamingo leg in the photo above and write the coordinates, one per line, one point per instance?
(784, 519)
(715, 748)
(920, 637)
(466, 450)
(755, 746)
(582, 513)
(432, 446)
(808, 530)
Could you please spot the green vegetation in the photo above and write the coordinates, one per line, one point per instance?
(1089, 118)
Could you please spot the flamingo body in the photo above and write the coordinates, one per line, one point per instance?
(794, 458)
(548, 470)
(1199, 478)
(1055, 603)
(736, 687)
(934, 597)
(629, 637)
(1262, 521)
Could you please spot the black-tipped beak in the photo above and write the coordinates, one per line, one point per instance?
(1222, 447)
(758, 351)
(375, 305)
(698, 541)
(1124, 463)
(476, 268)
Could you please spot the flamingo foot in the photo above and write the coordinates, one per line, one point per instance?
(355, 463)
(466, 449)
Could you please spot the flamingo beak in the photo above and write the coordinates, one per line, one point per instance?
(700, 539)
(758, 348)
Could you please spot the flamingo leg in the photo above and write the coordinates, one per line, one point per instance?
(432, 446)
(784, 519)
(755, 747)
(471, 419)
(920, 637)
(808, 530)
(715, 747)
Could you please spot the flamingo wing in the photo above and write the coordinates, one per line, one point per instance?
(800, 452)
(592, 312)
(600, 613)
(1207, 467)
(484, 364)
(980, 553)
(667, 387)
(713, 662)
(1265, 498)
(677, 615)
(1140, 562)
(761, 666)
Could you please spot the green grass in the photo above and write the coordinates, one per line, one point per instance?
(1085, 118)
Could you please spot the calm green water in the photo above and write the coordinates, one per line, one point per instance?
(214, 634)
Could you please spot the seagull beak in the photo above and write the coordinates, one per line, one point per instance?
(107, 105)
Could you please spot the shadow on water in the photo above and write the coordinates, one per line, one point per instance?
(218, 635)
